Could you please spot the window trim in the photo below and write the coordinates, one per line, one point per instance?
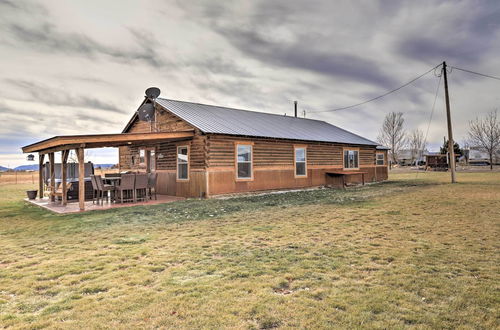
(383, 159)
(143, 163)
(177, 162)
(343, 159)
(243, 143)
(295, 147)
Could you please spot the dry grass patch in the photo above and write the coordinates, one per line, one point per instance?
(411, 252)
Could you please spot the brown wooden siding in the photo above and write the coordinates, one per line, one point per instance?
(166, 122)
(273, 152)
(212, 162)
(273, 164)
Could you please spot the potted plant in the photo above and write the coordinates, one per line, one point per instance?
(31, 194)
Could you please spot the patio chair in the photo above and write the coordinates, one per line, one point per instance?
(95, 190)
(152, 184)
(126, 188)
(141, 187)
(104, 188)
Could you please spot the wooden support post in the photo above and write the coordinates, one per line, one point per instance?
(52, 177)
(148, 160)
(81, 178)
(40, 175)
(64, 162)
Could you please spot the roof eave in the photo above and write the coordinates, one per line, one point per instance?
(134, 117)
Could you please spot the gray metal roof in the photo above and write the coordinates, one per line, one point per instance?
(221, 120)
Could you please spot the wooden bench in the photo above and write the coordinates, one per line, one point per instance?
(58, 191)
(343, 174)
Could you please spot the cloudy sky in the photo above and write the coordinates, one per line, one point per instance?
(77, 67)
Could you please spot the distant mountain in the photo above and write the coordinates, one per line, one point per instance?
(3, 168)
(27, 168)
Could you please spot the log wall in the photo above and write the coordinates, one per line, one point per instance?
(212, 162)
(273, 164)
(166, 164)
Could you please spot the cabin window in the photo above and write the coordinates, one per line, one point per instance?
(152, 160)
(244, 161)
(142, 157)
(351, 158)
(380, 159)
(182, 163)
(300, 162)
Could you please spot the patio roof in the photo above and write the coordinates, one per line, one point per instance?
(66, 142)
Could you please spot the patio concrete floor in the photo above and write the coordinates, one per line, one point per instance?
(73, 207)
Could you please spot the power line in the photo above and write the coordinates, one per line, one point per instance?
(380, 96)
(432, 112)
(479, 74)
(430, 119)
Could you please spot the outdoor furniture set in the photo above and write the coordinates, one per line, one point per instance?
(123, 187)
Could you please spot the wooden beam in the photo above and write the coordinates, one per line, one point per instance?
(64, 162)
(61, 148)
(52, 177)
(40, 175)
(103, 140)
(81, 178)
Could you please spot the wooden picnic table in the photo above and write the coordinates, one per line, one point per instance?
(343, 174)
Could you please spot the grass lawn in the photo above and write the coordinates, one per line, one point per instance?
(411, 252)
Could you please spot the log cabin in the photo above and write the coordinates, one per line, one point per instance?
(201, 150)
(235, 151)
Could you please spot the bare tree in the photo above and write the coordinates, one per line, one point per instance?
(392, 134)
(484, 134)
(416, 144)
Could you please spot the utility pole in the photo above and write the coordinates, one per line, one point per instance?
(451, 144)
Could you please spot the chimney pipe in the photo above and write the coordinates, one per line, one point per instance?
(295, 106)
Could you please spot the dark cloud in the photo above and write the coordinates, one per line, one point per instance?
(46, 37)
(299, 55)
(219, 65)
(22, 6)
(462, 36)
(256, 37)
(35, 92)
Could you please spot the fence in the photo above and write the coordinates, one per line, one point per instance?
(23, 177)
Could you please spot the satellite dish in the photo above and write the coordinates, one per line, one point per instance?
(153, 92)
(146, 112)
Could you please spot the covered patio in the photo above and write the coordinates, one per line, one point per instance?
(79, 143)
(90, 206)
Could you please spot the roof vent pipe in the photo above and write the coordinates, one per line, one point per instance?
(295, 106)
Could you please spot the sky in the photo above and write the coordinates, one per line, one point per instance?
(81, 67)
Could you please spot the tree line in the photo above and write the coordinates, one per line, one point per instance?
(483, 135)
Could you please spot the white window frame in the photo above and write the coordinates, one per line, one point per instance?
(237, 162)
(142, 157)
(343, 158)
(383, 158)
(295, 162)
(182, 163)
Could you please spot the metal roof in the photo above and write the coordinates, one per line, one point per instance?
(379, 147)
(221, 120)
